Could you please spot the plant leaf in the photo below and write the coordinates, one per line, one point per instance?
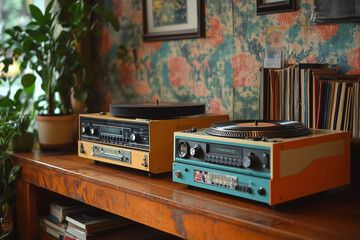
(5, 208)
(33, 26)
(13, 173)
(6, 102)
(48, 11)
(27, 80)
(30, 90)
(40, 37)
(36, 14)
(10, 32)
(17, 95)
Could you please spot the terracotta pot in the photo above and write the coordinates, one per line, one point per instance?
(55, 132)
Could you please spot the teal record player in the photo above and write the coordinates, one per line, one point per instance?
(266, 161)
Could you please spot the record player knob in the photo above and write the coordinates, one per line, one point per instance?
(178, 174)
(93, 131)
(85, 129)
(134, 137)
(249, 160)
(261, 191)
(195, 151)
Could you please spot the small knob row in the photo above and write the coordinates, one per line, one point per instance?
(88, 130)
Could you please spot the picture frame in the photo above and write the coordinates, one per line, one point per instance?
(336, 11)
(275, 6)
(173, 19)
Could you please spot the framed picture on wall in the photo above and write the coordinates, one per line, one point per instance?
(336, 11)
(274, 6)
(173, 19)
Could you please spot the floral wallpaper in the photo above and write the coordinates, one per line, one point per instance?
(220, 70)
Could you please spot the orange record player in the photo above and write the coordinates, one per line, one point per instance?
(139, 136)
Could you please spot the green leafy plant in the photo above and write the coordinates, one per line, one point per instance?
(17, 109)
(8, 172)
(22, 123)
(14, 106)
(49, 45)
(10, 110)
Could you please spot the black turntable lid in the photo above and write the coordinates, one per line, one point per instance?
(163, 110)
(258, 128)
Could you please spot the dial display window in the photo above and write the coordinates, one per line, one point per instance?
(224, 150)
(111, 130)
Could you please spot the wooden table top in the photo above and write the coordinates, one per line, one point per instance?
(192, 213)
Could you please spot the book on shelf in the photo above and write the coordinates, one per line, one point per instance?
(327, 104)
(339, 104)
(134, 232)
(56, 231)
(304, 73)
(94, 221)
(79, 234)
(348, 102)
(341, 109)
(316, 73)
(356, 113)
(263, 97)
(59, 210)
(314, 94)
(43, 227)
(60, 227)
(286, 94)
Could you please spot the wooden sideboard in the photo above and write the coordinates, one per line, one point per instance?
(174, 208)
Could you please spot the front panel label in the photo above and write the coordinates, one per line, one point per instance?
(111, 153)
(211, 178)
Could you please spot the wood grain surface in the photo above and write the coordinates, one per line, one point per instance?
(190, 213)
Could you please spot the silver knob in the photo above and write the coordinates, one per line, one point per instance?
(178, 174)
(249, 160)
(195, 151)
(133, 137)
(93, 131)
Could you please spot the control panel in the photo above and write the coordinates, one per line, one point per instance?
(111, 153)
(236, 156)
(237, 184)
(114, 132)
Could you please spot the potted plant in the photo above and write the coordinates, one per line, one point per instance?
(8, 174)
(23, 140)
(16, 108)
(50, 47)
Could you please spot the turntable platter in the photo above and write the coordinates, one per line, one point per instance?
(157, 110)
(258, 129)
